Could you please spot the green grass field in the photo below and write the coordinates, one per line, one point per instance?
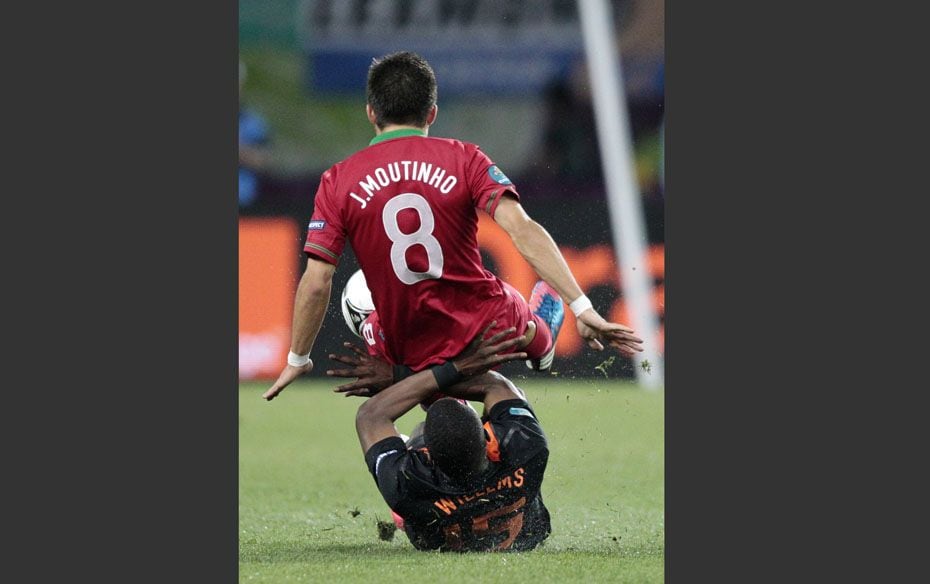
(308, 507)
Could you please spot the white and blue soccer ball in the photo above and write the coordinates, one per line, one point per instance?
(356, 302)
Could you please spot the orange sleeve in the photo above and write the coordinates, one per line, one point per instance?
(494, 450)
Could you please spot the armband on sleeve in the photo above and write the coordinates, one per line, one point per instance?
(401, 372)
(446, 374)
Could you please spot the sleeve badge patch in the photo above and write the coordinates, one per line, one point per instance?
(498, 176)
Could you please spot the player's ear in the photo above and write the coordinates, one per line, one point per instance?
(431, 116)
(371, 114)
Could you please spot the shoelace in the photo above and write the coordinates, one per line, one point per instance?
(545, 311)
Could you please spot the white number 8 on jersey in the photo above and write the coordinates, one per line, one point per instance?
(403, 241)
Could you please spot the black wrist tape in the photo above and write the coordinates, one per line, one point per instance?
(401, 372)
(446, 374)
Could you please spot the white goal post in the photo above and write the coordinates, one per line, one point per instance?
(623, 197)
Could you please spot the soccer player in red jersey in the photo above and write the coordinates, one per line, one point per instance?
(408, 205)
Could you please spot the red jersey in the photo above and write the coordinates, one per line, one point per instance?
(408, 205)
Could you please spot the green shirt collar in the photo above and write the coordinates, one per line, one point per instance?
(396, 134)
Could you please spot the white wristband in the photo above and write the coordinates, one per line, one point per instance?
(580, 304)
(295, 360)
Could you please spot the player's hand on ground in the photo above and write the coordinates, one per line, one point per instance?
(484, 353)
(597, 332)
(373, 374)
(289, 374)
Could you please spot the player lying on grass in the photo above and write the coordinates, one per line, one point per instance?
(460, 485)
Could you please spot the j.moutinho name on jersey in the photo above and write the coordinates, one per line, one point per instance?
(406, 170)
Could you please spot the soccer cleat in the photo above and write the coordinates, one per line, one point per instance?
(546, 303)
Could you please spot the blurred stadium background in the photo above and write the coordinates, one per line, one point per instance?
(512, 78)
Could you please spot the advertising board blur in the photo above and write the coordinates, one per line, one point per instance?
(475, 47)
(269, 254)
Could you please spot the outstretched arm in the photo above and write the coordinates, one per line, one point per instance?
(539, 249)
(310, 304)
(375, 418)
(489, 388)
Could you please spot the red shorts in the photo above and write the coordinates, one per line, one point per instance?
(515, 313)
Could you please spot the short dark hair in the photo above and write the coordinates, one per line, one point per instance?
(455, 438)
(401, 89)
